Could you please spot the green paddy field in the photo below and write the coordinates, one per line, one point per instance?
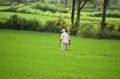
(37, 55)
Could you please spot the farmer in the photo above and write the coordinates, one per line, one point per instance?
(65, 39)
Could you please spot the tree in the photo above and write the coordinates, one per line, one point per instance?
(105, 4)
(11, 1)
(25, 1)
(72, 16)
(80, 6)
(66, 2)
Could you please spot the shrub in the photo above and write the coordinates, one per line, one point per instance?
(55, 25)
(117, 27)
(115, 7)
(111, 34)
(115, 14)
(34, 25)
(63, 10)
(18, 23)
(11, 9)
(1, 25)
(87, 30)
(112, 30)
(113, 26)
(22, 10)
(49, 7)
(90, 31)
(44, 7)
(14, 22)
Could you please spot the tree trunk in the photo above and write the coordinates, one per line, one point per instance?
(73, 12)
(25, 1)
(80, 6)
(95, 4)
(103, 17)
(78, 15)
(11, 1)
(66, 1)
(72, 16)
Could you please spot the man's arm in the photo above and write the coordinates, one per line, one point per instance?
(60, 41)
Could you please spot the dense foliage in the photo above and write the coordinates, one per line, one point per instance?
(111, 30)
(55, 25)
(87, 30)
(18, 23)
(49, 7)
(114, 14)
(29, 8)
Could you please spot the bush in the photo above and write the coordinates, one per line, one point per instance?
(63, 10)
(90, 31)
(38, 8)
(55, 25)
(111, 34)
(87, 30)
(49, 7)
(113, 26)
(112, 30)
(44, 7)
(18, 23)
(115, 14)
(32, 25)
(13, 22)
(13, 8)
(1, 25)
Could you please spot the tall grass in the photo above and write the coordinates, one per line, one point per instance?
(27, 16)
(44, 17)
(36, 55)
(3, 7)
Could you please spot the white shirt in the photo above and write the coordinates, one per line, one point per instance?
(65, 37)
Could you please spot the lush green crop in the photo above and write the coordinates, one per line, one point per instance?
(28, 16)
(3, 7)
(35, 55)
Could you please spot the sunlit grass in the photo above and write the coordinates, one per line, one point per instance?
(3, 7)
(35, 55)
(46, 17)
(27, 16)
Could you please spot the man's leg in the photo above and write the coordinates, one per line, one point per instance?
(63, 46)
(66, 46)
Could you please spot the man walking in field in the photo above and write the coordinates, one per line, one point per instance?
(65, 39)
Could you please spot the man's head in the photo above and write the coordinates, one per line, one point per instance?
(63, 30)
